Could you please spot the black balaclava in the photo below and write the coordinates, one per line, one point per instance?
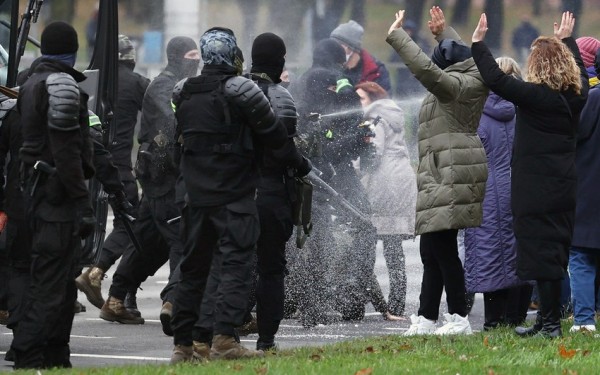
(59, 42)
(177, 64)
(449, 52)
(268, 56)
(318, 97)
(328, 53)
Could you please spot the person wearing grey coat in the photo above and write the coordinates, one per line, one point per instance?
(392, 190)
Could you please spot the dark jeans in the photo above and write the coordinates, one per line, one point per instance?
(41, 339)
(394, 259)
(118, 240)
(441, 269)
(160, 242)
(232, 230)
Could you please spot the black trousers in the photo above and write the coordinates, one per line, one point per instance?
(204, 327)
(160, 242)
(41, 339)
(231, 230)
(276, 226)
(442, 268)
(18, 246)
(118, 240)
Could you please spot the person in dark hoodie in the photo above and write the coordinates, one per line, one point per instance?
(57, 159)
(157, 173)
(452, 168)
(132, 87)
(220, 219)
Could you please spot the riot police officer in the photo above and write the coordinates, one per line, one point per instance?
(132, 87)
(57, 159)
(275, 189)
(157, 172)
(218, 168)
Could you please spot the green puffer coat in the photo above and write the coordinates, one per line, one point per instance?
(452, 164)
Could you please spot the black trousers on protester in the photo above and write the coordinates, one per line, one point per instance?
(395, 262)
(233, 230)
(441, 269)
(160, 242)
(41, 339)
(506, 306)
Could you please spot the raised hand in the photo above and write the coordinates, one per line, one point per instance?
(566, 26)
(437, 25)
(480, 30)
(398, 22)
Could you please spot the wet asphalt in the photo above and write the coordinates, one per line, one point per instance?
(97, 343)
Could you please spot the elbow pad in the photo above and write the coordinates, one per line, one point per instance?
(63, 102)
(251, 101)
(284, 107)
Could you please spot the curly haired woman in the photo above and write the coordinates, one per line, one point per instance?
(543, 160)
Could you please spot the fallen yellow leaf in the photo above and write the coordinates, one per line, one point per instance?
(364, 371)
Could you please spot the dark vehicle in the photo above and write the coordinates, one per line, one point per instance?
(101, 84)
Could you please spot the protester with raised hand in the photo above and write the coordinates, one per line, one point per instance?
(452, 167)
(543, 160)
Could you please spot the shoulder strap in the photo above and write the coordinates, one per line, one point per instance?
(220, 95)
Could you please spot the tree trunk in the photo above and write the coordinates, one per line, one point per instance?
(461, 12)
(150, 13)
(494, 9)
(575, 7)
(414, 11)
(537, 7)
(62, 10)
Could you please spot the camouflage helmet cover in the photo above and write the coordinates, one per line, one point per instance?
(218, 47)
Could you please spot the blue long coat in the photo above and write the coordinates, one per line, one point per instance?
(490, 252)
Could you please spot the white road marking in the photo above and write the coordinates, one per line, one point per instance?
(92, 337)
(135, 358)
(146, 320)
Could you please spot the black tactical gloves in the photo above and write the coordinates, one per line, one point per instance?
(304, 168)
(119, 203)
(86, 221)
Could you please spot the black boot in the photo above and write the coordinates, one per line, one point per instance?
(534, 329)
(551, 308)
(130, 303)
(494, 308)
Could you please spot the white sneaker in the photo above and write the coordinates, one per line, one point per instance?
(455, 325)
(419, 325)
(583, 328)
